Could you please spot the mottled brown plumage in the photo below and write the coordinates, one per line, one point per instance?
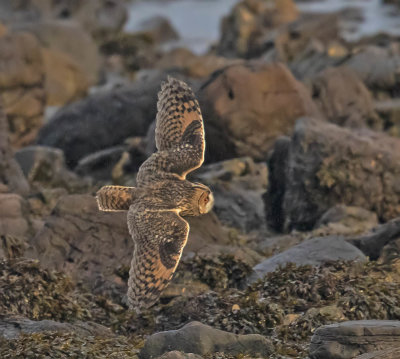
(163, 195)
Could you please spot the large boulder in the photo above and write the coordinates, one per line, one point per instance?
(65, 80)
(102, 120)
(344, 99)
(350, 339)
(91, 245)
(377, 67)
(316, 251)
(198, 338)
(69, 38)
(328, 165)
(238, 186)
(22, 85)
(246, 107)
(249, 22)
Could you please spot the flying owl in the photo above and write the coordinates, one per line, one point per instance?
(163, 196)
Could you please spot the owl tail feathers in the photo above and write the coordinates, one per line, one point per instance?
(115, 198)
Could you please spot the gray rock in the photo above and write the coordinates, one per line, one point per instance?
(393, 353)
(179, 355)
(99, 164)
(377, 66)
(328, 165)
(201, 339)
(13, 327)
(344, 99)
(314, 251)
(373, 243)
(102, 120)
(158, 29)
(238, 186)
(46, 165)
(349, 339)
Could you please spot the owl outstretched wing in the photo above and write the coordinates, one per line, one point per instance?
(159, 237)
(179, 134)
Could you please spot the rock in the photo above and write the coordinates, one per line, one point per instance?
(99, 165)
(273, 198)
(381, 354)
(15, 227)
(348, 339)
(329, 165)
(90, 245)
(158, 29)
(249, 22)
(316, 251)
(238, 186)
(294, 40)
(377, 67)
(102, 120)
(22, 86)
(315, 57)
(245, 121)
(179, 355)
(344, 99)
(69, 38)
(201, 339)
(205, 230)
(371, 244)
(97, 17)
(84, 242)
(12, 327)
(11, 175)
(389, 111)
(46, 165)
(65, 81)
(344, 220)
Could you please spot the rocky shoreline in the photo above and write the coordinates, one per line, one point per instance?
(300, 257)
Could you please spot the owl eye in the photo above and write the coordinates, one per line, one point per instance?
(206, 199)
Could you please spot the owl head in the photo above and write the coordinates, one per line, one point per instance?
(203, 198)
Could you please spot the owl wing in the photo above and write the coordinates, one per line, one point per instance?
(159, 237)
(179, 133)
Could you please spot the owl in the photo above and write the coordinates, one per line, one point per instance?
(163, 196)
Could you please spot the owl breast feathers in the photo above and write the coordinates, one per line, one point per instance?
(162, 197)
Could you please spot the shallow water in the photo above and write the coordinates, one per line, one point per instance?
(198, 21)
(369, 17)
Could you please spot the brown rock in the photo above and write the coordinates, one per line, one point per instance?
(11, 176)
(14, 226)
(21, 85)
(250, 118)
(90, 245)
(249, 22)
(3, 30)
(65, 81)
(344, 99)
(69, 38)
